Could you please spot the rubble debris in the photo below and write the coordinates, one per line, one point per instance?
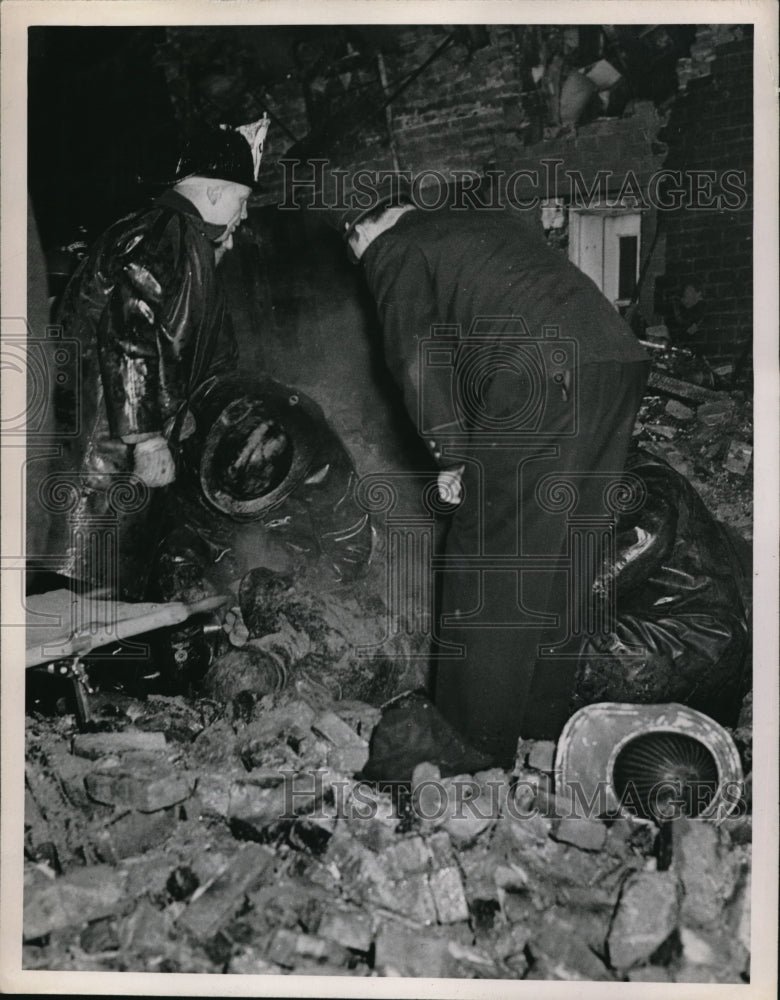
(558, 951)
(691, 425)
(448, 896)
(147, 793)
(696, 949)
(348, 928)
(288, 949)
(645, 918)
(679, 411)
(715, 413)
(182, 883)
(133, 833)
(216, 902)
(145, 929)
(587, 834)
(738, 457)
(541, 755)
(94, 745)
(278, 863)
(99, 935)
(707, 870)
(348, 760)
(403, 951)
(85, 894)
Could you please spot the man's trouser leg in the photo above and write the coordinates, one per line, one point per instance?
(501, 689)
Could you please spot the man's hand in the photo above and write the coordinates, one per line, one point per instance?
(450, 484)
(153, 462)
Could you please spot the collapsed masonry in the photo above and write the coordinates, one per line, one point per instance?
(182, 836)
(231, 835)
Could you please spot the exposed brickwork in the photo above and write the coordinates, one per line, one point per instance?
(464, 112)
(711, 128)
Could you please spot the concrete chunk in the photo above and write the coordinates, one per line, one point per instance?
(541, 755)
(256, 804)
(410, 897)
(407, 856)
(94, 745)
(145, 929)
(471, 809)
(349, 928)
(646, 915)
(448, 896)
(587, 834)
(442, 854)
(348, 760)
(371, 879)
(696, 950)
(288, 948)
(218, 901)
(562, 943)
(71, 771)
(336, 730)
(134, 833)
(148, 793)
(70, 901)
(707, 870)
(403, 951)
(679, 410)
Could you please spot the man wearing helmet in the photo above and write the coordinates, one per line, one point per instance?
(149, 315)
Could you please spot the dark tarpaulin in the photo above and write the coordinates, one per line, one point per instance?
(678, 580)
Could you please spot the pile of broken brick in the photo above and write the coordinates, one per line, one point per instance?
(185, 836)
(705, 434)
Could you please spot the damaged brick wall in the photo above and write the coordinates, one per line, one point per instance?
(711, 128)
(467, 111)
(452, 117)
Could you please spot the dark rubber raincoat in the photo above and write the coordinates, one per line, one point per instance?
(147, 312)
(680, 629)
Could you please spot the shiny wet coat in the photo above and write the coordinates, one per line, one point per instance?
(148, 314)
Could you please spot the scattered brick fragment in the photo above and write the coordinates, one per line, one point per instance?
(94, 745)
(71, 900)
(646, 916)
(215, 903)
(587, 834)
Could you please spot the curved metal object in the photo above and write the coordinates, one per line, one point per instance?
(601, 738)
(220, 408)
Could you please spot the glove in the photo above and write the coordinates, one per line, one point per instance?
(450, 484)
(153, 462)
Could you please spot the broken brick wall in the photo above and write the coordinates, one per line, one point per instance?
(453, 116)
(468, 110)
(711, 249)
